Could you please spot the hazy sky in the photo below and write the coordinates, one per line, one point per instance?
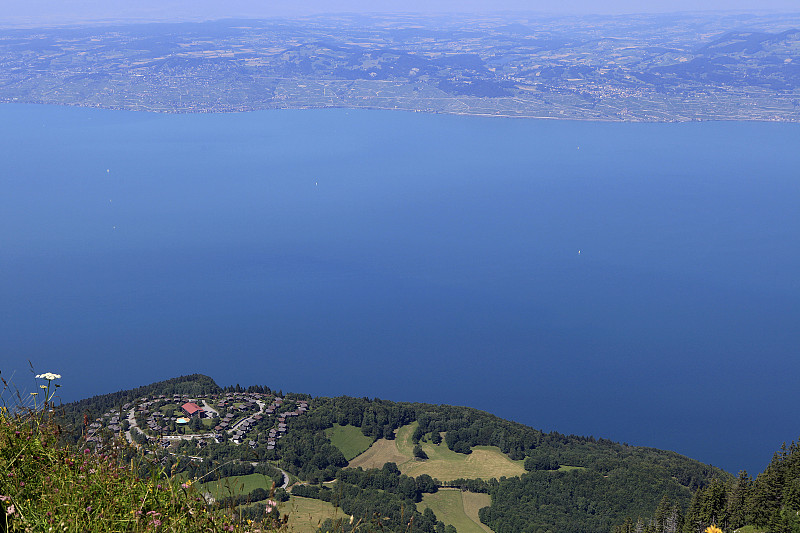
(67, 11)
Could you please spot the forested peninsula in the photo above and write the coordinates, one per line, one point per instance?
(378, 465)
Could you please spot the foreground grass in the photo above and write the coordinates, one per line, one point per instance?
(485, 462)
(49, 486)
(349, 439)
(459, 509)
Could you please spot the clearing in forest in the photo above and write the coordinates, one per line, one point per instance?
(459, 509)
(306, 515)
(485, 462)
(381, 452)
(474, 502)
(237, 485)
(349, 439)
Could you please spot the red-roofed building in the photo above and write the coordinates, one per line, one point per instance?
(192, 408)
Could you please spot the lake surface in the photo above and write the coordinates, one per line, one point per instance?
(638, 282)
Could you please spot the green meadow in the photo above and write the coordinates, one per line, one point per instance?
(349, 439)
(306, 514)
(485, 462)
(459, 509)
(237, 485)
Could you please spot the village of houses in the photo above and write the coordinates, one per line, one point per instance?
(238, 417)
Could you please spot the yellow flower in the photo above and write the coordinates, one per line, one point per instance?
(713, 529)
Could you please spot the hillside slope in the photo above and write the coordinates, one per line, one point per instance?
(538, 481)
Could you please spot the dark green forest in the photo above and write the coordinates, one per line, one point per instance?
(770, 502)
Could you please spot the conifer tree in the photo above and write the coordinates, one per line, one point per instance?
(663, 510)
(693, 522)
(736, 504)
(765, 500)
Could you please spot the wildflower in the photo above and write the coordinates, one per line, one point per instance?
(713, 529)
(89, 509)
(49, 376)
(10, 510)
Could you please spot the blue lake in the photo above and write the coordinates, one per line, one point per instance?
(639, 282)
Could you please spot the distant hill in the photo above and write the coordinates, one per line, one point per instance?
(537, 481)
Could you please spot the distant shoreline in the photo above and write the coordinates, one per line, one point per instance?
(142, 109)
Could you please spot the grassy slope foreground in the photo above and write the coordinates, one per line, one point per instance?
(48, 485)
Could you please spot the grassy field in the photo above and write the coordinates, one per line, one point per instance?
(306, 514)
(484, 462)
(382, 451)
(349, 439)
(474, 502)
(237, 485)
(459, 509)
